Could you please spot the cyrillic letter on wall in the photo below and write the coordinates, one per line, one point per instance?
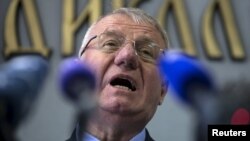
(10, 33)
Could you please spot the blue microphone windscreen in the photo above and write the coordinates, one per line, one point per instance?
(184, 73)
(75, 77)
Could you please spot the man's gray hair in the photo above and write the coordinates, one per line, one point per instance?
(139, 16)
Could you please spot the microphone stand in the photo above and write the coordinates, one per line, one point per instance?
(208, 109)
(85, 106)
(7, 132)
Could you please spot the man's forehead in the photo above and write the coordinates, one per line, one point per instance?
(127, 26)
(122, 22)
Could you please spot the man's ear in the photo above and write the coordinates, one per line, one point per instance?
(164, 89)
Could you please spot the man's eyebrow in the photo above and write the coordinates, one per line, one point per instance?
(145, 39)
(114, 32)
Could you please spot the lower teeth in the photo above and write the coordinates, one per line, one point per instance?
(123, 87)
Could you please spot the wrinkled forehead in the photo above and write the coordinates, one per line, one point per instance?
(120, 21)
(127, 26)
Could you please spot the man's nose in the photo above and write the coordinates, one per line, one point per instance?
(127, 58)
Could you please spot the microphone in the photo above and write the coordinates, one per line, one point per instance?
(185, 74)
(78, 85)
(21, 80)
(192, 84)
(236, 102)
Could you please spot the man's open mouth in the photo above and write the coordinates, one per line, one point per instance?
(123, 83)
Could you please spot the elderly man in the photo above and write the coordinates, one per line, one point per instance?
(122, 48)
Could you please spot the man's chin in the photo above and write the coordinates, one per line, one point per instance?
(119, 109)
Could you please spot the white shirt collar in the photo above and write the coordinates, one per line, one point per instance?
(139, 137)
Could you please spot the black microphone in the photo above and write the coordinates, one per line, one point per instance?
(21, 80)
(77, 83)
(193, 84)
(236, 102)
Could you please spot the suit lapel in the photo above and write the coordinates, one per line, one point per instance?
(148, 137)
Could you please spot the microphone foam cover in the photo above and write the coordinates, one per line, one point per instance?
(75, 77)
(183, 73)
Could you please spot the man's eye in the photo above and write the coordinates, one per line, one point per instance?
(112, 44)
(147, 53)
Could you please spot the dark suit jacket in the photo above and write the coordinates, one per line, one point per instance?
(75, 136)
